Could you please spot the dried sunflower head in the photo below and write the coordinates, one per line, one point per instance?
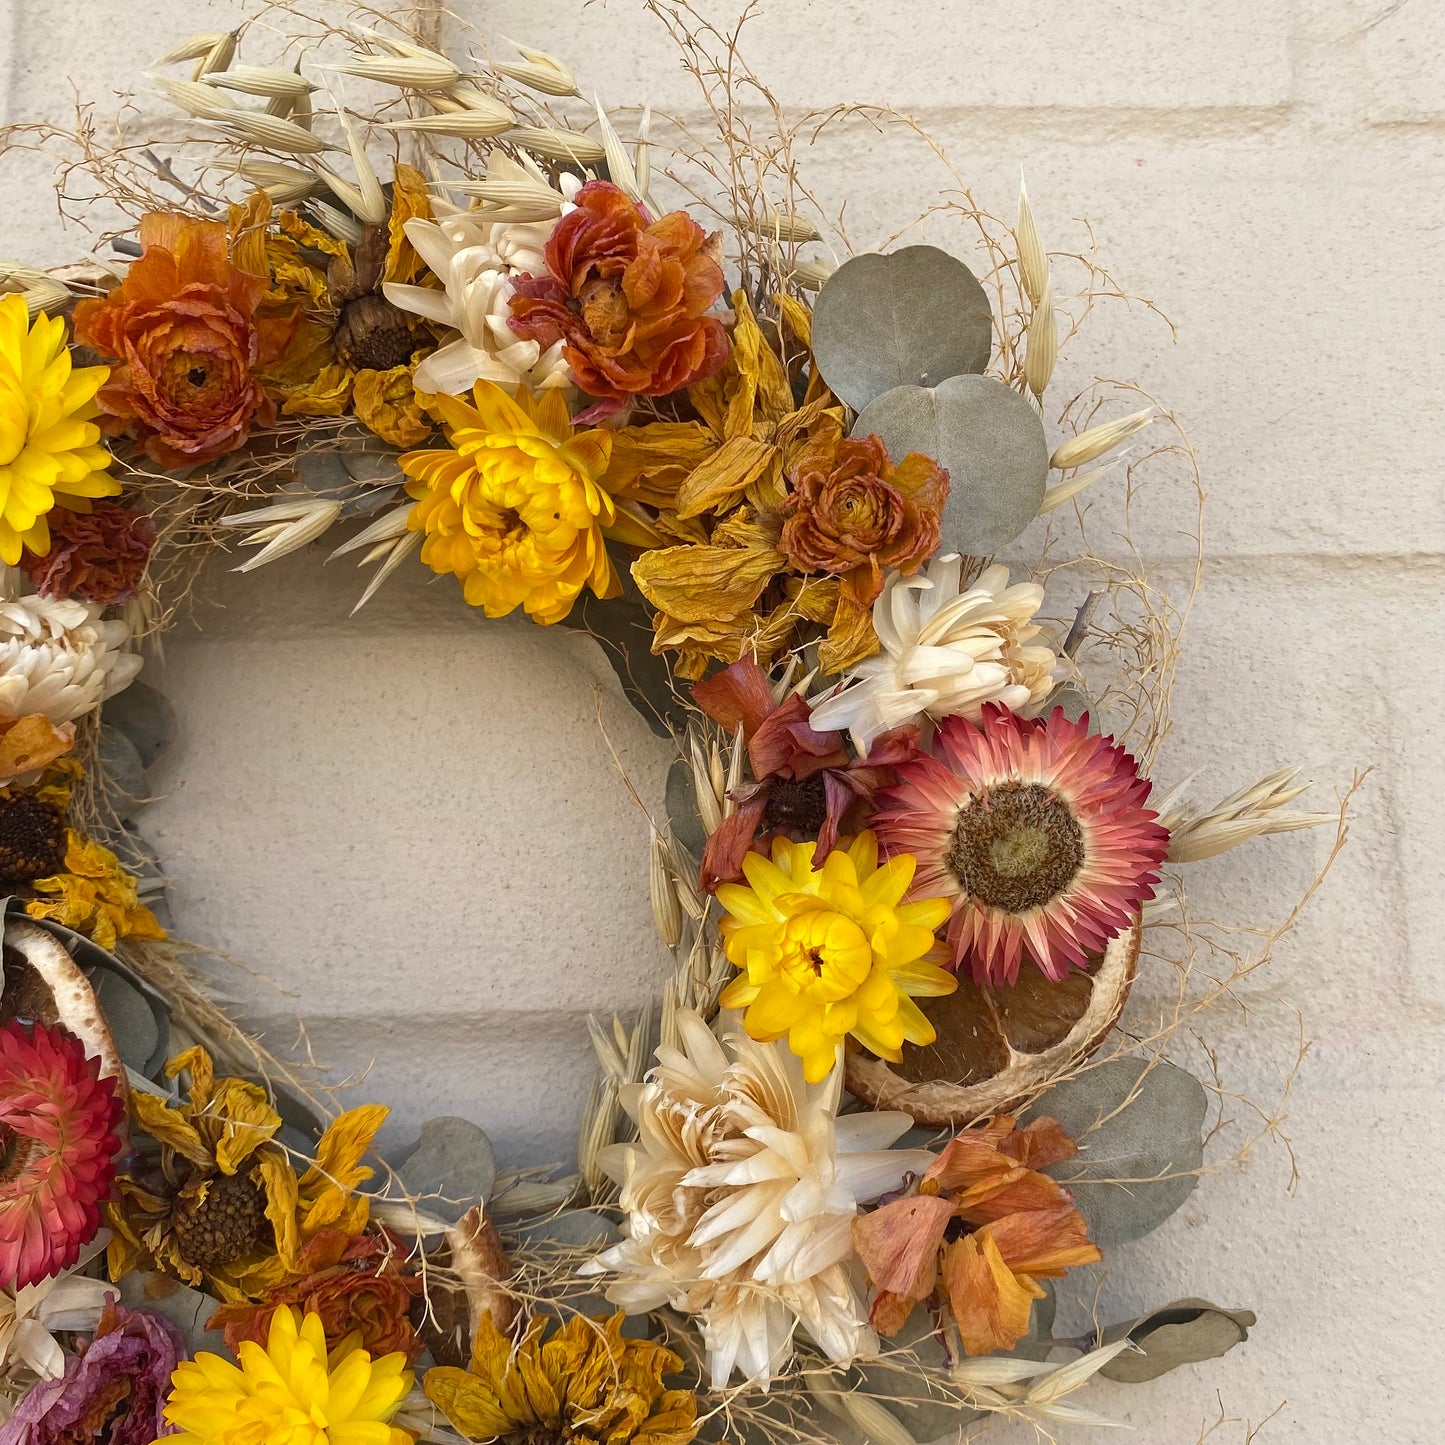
(219, 1204)
(585, 1384)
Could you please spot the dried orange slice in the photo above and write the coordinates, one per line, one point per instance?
(997, 1048)
(43, 984)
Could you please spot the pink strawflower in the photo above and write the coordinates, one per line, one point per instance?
(1035, 829)
(58, 1119)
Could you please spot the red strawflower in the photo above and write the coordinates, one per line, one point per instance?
(806, 783)
(629, 296)
(1038, 832)
(95, 556)
(58, 1122)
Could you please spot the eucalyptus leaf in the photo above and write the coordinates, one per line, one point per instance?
(1182, 1333)
(122, 772)
(145, 715)
(576, 1229)
(450, 1169)
(622, 628)
(1074, 702)
(682, 808)
(1133, 1170)
(187, 1309)
(909, 318)
(992, 443)
(138, 1021)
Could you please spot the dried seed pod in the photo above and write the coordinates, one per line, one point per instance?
(541, 72)
(666, 909)
(39, 290)
(218, 57)
(1043, 345)
(1057, 496)
(270, 132)
(812, 275)
(1033, 259)
(261, 80)
(619, 165)
(1099, 439)
(343, 227)
(780, 226)
(286, 185)
(558, 145)
(193, 47)
(409, 72)
(196, 98)
(466, 124)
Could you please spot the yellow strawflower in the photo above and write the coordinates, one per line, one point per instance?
(516, 509)
(49, 447)
(290, 1393)
(833, 951)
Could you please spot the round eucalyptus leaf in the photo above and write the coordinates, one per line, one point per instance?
(187, 1309)
(1135, 1169)
(909, 318)
(144, 714)
(450, 1169)
(1073, 700)
(990, 439)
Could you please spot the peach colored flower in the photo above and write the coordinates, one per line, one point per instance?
(628, 297)
(978, 1235)
(186, 342)
(851, 512)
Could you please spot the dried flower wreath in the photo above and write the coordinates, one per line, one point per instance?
(911, 864)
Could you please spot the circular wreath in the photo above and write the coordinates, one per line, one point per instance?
(911, 861)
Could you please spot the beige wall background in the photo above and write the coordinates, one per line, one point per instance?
(409, 825)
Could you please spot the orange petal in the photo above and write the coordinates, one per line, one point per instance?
(898, 1245)
(30, 743)
(991, 1305)
(1039, 1144)
(1044, 1241)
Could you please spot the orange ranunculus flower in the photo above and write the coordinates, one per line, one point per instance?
(186, 339)
(983, 1229)
(851, 512)
(363, 1291)
(629, 297)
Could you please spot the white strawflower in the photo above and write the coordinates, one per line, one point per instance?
(477, 261)
(59, 658)
(741, 1193)
(944, 653)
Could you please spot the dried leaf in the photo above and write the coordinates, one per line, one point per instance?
(914, 317)
(1182, 1333)
(701, 584)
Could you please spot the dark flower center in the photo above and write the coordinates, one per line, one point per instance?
(374, 335)
(224, 1226)
(1016, 846)
(32, 838)
(797, 807)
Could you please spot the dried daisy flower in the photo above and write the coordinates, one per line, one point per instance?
(292, 1390)
(478, 261)
(1038, 832)
(944, 652)
(218, 1205)
(58, 1119)
(740, 1196)
(526, 1392)
(49, 445)
(60, 658)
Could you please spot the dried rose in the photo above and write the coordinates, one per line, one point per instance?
(363, 1290)
(113, 1392)
(628, 297)
(805, 784)
(851, 512)
(184, 331)
(95, 556)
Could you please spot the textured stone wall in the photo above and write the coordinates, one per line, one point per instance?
(411, 824)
